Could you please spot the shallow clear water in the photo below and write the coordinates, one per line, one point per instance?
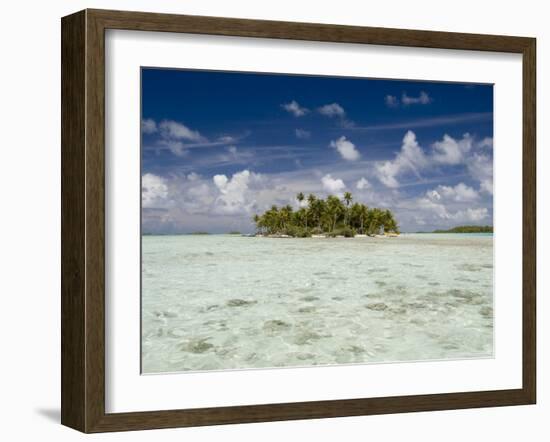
(212, 302)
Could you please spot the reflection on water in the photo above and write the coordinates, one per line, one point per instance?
(215, 302)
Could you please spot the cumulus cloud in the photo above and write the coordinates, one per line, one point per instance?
(423, 98)
(431, 209)
(486, 143)
(148, 126)
(411, 158)
(332, 110)
(473, 215)
(459, 193)
(446, 152)
(332, 185)
(480, 167)
(295, 109)
(302, 134)
(407, 100)
(234, 192)
(363, 184)
(173, 130)
(451, 151)
(346, 149)
(154, 191)
(220, 181)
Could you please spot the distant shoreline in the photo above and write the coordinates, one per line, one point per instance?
(455, 230)
(466, 229)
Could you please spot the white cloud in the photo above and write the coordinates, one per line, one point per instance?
(148, 126)
(451, 151)
(332, 185)
(179, 138)
(459, 193)
(432, 210)
(486, 143)
(480, 168)
(362, 184)
(295, 109)
(391, 101)
(332, 110)
(433, 195)
(220, 181)
(177, 131)
(471, 214)
(154, 191)
(227, 139)
(423, 98)
(199, 191)
(411, 158)
(235, 191)
(486, 186)
(193, 176)
(174, 146)
(302, 134)
(346, 149)
(427, 206)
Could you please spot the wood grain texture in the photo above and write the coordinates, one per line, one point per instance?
(529, 220)
(73, 258)
(83, 220)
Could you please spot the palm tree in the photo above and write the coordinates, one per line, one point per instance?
(358, 216)
(257, 220)
(347, 198)
(334, 208)
(286, 216)
(363, 214)
(273, 219)
(300, 197)
(374, 221)
(327, 215)
(389, 222)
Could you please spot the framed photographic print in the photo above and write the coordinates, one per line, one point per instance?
(268, 221)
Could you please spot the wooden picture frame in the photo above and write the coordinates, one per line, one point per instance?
(83, 220)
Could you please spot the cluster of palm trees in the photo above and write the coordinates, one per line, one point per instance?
(331, 216)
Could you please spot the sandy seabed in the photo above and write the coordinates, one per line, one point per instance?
(214, 302)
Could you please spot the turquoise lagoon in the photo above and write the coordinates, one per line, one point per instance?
(216, 302)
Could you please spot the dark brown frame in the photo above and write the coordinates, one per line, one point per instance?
(83, 217)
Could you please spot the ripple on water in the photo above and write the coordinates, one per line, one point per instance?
(486, 311)
(377, 306)
(310, 298)
(197, 346)
(240, 303)
(306, 337)
(323, 302)
(469, 267)
(274, 326)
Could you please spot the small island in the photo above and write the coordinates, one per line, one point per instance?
(320, 218)
(467, 229)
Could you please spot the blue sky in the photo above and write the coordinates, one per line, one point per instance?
(218, 147)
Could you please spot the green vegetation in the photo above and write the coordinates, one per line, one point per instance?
(331, 217)
(199, 233)
(467, 229)
(234, 232)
